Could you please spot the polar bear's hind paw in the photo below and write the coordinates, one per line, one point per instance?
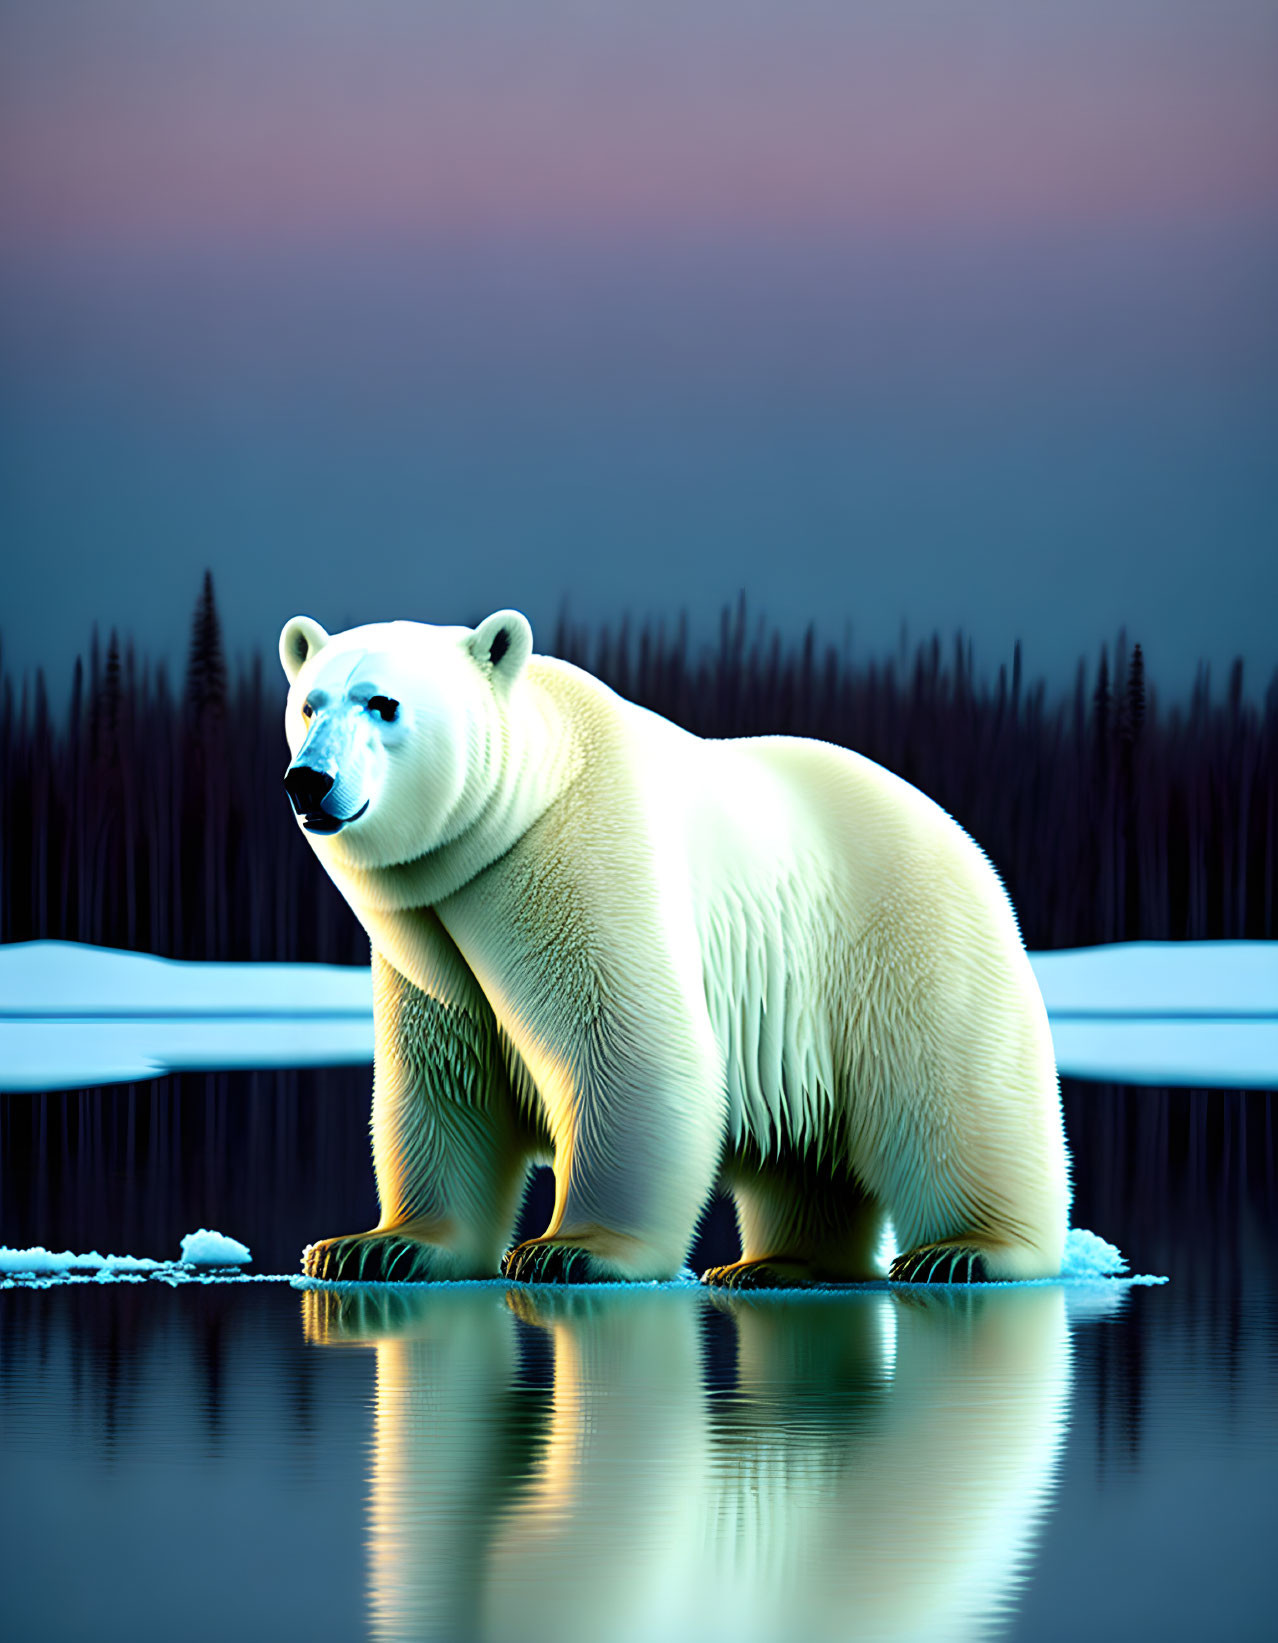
(943, 1263)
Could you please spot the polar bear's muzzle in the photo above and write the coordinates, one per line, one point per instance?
(319, 784)
(307, 789)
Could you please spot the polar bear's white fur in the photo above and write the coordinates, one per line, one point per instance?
(661, 962)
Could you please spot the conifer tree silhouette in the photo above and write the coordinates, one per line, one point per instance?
(1136, 693)
(206, 783)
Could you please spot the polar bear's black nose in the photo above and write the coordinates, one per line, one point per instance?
(306, 787)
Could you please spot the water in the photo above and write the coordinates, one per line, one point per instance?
(478, 1462)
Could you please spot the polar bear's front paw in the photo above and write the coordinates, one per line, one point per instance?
(779, 1273)
(371, 1258)
(950, 1262)
(543, 1261)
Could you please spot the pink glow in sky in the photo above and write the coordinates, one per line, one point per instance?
(167, 120)
(947, 311)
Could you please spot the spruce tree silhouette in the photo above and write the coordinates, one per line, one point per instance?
(206, 867)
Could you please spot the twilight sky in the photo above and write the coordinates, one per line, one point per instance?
(937, 313)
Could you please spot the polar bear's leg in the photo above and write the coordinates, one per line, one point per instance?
(989, 1201)
(632, 1174)
(799, 1227)
(988, 1243)
(637, 1133)
(450, 1150)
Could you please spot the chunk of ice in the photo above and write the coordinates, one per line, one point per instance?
(1089, 1256)
(205, 1248)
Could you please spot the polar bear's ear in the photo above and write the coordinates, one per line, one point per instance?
(502, 644)
(300, 640)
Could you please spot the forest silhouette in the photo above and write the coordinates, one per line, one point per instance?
(153, 817)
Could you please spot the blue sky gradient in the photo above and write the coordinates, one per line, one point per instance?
(927, 315)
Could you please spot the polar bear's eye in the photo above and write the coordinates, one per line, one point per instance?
(307, 710)
(383, 705)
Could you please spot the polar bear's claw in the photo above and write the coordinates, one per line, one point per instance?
(778, 1274)
(537, 1262)
(943, 1263)
(368, 1258)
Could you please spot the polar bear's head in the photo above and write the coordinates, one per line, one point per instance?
(397, 730)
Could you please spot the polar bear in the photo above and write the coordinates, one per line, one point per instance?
(660, 962)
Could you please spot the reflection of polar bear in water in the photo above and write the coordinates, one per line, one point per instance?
(880, 1470)
(659, 961)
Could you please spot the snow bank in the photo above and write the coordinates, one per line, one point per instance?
(68, 1055)
(1165, 1012)
(1166, 979)
(70, 980)
(1209, 1054)
(73, 1015)
(1201, 1013)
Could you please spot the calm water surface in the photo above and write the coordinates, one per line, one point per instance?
(483, 1462)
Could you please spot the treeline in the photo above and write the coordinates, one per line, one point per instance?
(153, 817)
